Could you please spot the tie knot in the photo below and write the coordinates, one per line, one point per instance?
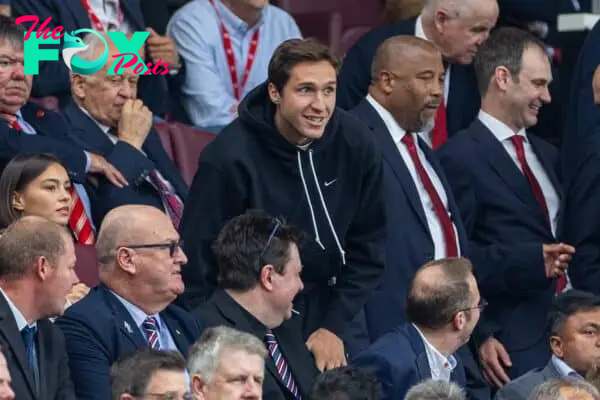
(408, 139)
(150, 323)
(517, 140)
(28, 333)
(270, 337)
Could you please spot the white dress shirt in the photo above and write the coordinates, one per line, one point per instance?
(441, 367)
(563, 368)
(435, 227)
(107, 12)
(503, 133)
(426, 136)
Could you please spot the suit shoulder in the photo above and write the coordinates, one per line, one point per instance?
(233, 143)
(522, 386)
(376, 36)
(209, 315)
(91, 310)
(459, 145)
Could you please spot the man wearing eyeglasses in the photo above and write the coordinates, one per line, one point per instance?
(140, 258)
(443, 307)
(150, 374)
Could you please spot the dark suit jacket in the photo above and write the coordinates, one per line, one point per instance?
(522, 387)
(506, 228)
(133, 164)
(53, 79)
(52, 137)
(99, 330)
(400, 361)
(221, 309)
(409, 243)
(355, 77)
(55, 383)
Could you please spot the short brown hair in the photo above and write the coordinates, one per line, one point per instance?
(25, 241)
(293, 52)
(433, 304)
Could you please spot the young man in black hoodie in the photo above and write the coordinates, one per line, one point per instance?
(293, 154)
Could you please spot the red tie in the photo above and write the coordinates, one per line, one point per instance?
(174, 205)
(439, 134)
(438, 205)
(517, 141)
(79, 223)
(16, 126)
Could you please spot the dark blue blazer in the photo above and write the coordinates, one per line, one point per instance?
(133, 164)
(506, 229)
(400, 361)
(52, 137)
(583, 116)
(99, 330)
(355, 77)
(409, 243)
(53, 79)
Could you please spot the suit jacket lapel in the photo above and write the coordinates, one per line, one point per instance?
(175, 330)
(10, 332)
(416, 341)
(548, 167)
(133, 13)
(42, 354)
(82, 19)
(93, 138)
(126, 324)
(392, 156)
(495, 154)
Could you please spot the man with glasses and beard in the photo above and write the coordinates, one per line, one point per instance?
(139, 258)
(443, 307)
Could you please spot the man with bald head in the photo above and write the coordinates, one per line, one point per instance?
(37, 271)
(106, 116)
(140, 259)
(457, 28)
(422, 218)
(443, 307)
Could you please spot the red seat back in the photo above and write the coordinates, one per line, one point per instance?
(187, 143)
(87, 264)
(164, 133)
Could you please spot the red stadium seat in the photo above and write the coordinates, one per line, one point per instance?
(162, 128)
(87, 264)
(187, 143)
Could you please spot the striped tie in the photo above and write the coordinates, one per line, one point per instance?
(172, 202)
(150, 326)
(282, 368)
(79, 223)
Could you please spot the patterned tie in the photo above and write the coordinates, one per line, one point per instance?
(79, 222)
(28, 335)
(438, 206)
(150, 326)
(517, 141)
(282, 368)
(173, 203)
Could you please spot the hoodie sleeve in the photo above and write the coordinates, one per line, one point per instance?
(216, 196)
(364, 244)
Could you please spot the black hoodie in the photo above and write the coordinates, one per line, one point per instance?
(332, 190)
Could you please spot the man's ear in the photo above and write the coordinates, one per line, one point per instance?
(266, 277)
(126, 260)
(126, 396)
(198, 386)
(274, 94)
(556, 345)
(42, 268)
(77, 86)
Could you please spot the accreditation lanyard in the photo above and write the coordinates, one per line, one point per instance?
(97, 24)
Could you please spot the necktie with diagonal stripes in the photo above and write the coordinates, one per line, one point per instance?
(282, 368)
(150, 326)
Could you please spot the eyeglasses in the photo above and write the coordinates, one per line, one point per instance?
(271, 236)
(172, 245)
(481, 305)
(170, 396)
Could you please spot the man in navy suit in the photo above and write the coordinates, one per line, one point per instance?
(443, 307)
(26, 127)
(140, 260)
(505, 184)
(457, 28)
(125, 16)
(105, 117)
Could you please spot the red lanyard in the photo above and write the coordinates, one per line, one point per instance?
(237, 86)
(96, 23)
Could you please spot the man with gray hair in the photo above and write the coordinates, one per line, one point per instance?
(106, 117)
(227, 364)
(457, 28)
(140, 258)
(37, 270)
(567, 388)
(436, 390)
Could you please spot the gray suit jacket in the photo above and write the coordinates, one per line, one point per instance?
(522, 387)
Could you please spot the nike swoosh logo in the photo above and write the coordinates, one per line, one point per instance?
(330, 182)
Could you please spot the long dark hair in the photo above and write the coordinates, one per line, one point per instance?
(18, 173)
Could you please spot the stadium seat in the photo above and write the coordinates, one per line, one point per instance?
(87, 264)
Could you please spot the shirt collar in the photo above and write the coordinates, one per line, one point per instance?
(393, 127)
(104, 128)
(234, 22)
(137, 313)
(562, 367)
(440, 362)
(419, 32)
(498, 128)
(19, 317)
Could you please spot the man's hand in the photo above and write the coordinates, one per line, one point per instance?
(162, 48)
(327, 348)
(135, 123)
(557, 257)
(99, 165)
(494, 361)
